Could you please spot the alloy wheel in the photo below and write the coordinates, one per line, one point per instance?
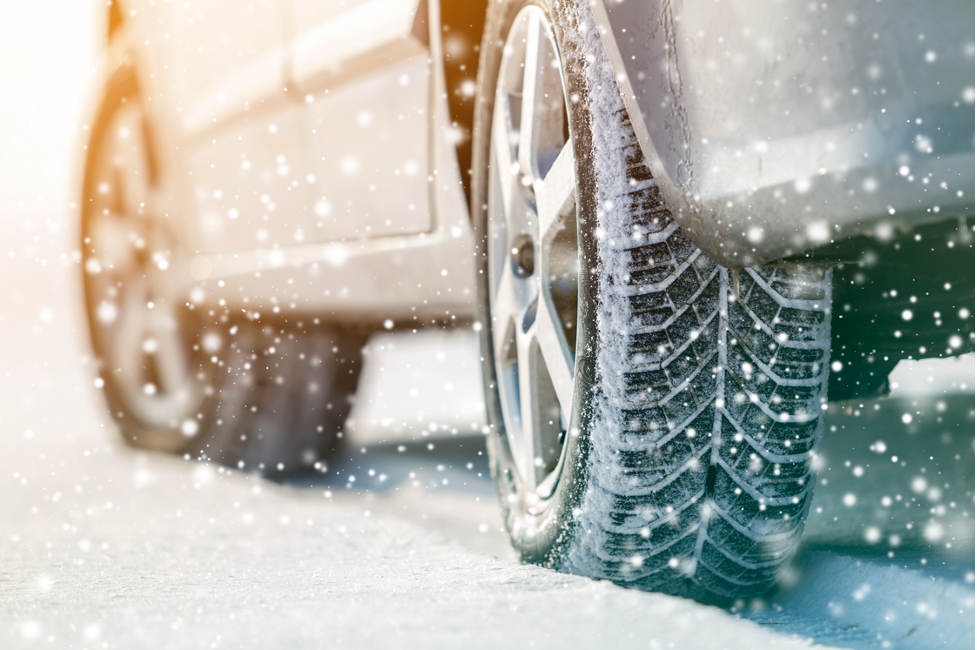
(532, 250)
(142, 331)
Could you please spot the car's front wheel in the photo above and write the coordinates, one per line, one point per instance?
(651, 422)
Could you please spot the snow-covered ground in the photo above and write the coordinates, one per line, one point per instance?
(400, 544)
(126, 551)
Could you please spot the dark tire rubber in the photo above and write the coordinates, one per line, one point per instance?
(282, 398)
(697, 412)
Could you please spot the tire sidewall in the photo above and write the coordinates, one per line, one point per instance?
(552, 527)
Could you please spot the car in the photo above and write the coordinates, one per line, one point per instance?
(679, 229)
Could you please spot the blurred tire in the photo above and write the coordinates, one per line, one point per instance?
(282, 397)
(267, 398)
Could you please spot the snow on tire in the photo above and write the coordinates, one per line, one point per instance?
(698, 391)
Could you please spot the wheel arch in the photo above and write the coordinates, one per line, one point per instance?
(127, 29)
(461, 25)
(114, 20)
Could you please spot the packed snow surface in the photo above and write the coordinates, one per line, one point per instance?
(399, 544)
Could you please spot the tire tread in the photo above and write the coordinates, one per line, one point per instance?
(700, 468)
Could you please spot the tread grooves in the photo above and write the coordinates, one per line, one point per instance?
(717, 510)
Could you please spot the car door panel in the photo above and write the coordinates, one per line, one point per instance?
(247, 185)
(372, 162)
(331, 36)
(365, 72)
(212, 38)
(244, 153)
(255, 82)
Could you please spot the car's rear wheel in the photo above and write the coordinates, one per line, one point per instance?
(267, 397)
(651, 423)
(147, 342)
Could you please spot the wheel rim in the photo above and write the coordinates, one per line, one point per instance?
(133, 285)
(532, 251)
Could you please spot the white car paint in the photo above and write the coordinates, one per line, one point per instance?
(339, 195)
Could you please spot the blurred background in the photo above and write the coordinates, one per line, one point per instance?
(414, 389)
(45, 76)
(48, 97)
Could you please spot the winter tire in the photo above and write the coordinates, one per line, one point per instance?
(654, 416)
(146, 342)
(263, 397)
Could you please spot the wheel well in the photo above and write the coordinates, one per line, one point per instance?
(462, 22)
(114, 21)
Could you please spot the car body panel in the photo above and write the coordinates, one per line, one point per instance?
(403, 272)
(241, 138)
(416, 275)
(806, 160)
(336, 40)
(777, 127)
(363, 69)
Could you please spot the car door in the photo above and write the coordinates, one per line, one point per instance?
(363, 70)
(248, 174)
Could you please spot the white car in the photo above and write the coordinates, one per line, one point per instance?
(650, 210)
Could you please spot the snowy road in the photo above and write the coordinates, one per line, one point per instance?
(399, 544)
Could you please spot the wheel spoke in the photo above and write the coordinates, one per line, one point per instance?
(171, 353)
(131, 332)
(555, 193)
(512, 297)
(503, 131)
(556, 354)
(113, 240)
(502, 150)
(133, 163)
(500, 326)
(528, 127)
(528, 360)
(546, 488)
